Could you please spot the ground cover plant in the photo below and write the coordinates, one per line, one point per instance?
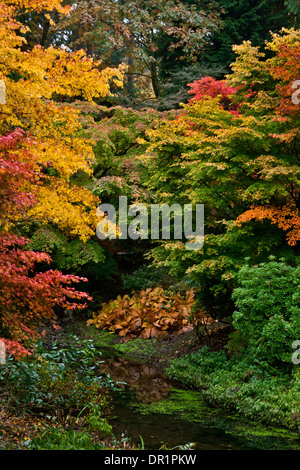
(256, 373)
(146, 314)
(243, 385)
(60, 387)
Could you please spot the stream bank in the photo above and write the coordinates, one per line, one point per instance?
(162, 412)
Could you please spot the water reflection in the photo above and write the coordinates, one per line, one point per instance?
(148, 382)
(144, 383)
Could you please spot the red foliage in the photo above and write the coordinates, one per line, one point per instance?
(14, 348)
(16, 167)
(209, 86)
(26, 296)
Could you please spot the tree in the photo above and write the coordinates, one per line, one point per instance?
(246, 21)
(267, 310)
(235, 156)
(134, 31)
(34, 80)
(27, 296)
(293, 6)
(115, 132)
(279, 172)
(209, 86)
(41, 150)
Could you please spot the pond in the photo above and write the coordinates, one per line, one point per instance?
(151, 408)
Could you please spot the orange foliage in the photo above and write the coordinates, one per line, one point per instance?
(147, 314)
(286, 218)
(34, 79)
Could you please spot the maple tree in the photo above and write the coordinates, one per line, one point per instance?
(242, 163)
(115, 132)
(41, 150)
(277, 174)
(133, 31)
(32, 80)
(209, 86)
(27, 296)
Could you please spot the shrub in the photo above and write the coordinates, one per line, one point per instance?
(242, 384)
(268, 310)
(147, 276)
(149, 313)
(60, 382)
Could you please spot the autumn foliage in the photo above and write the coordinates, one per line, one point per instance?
(40, 151)
(276, 174)
(234, 148)
(27, 295)
(210, 87)
(146, 314)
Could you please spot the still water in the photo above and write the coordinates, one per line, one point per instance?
(162, 413)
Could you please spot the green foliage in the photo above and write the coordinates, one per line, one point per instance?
(84, 258)
(244, 21)
(238, 163)
(267, 309)
(293, 6)
(212, 270)
(236, 342)
(176, 77)
(144, 35)
(90, 438)
(53, 438)
(56, 438)
(115, 132)
(96, 422)
(66, 255)
(243, 384)
(60, 381)
(147, 276)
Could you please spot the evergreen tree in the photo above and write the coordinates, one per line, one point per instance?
(245, 20)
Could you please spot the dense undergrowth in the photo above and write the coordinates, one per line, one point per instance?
(60, 387)
(238, 383)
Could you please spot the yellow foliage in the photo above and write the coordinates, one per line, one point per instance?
(33, 80)
(40, 5)
(70, 208)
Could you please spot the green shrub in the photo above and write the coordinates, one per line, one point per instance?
(147, 276)
(53, 438)
(267, 312)
(60, 382)
(236, 342)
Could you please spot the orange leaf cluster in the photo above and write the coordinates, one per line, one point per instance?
(146, 314)
(286, 218)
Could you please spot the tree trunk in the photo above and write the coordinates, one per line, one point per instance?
(45, 33)
(130, 78)
(154, 78)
